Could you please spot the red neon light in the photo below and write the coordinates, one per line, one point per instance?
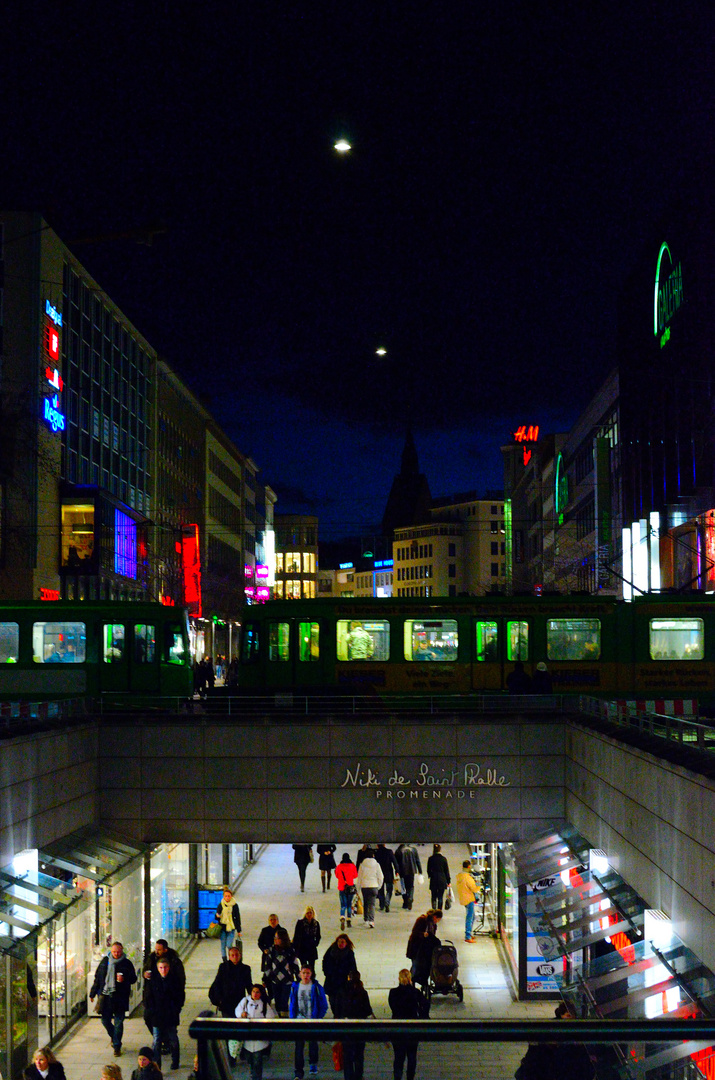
(527, 434)
(167, 601)
(54, 378)
(52, 342)
(191, 560)
(49, 594)
(527, 456)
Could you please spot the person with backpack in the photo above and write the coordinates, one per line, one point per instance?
(255, 1007)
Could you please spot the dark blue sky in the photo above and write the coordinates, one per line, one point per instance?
(508, 162)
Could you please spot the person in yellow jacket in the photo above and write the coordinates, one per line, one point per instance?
(467, 891)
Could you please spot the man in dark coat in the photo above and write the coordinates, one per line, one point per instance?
(408, 863)
(163, 1003)
(113, 979)
(162, 951)
(385, 857)
(232, 983)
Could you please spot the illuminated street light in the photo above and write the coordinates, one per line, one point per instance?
(381, 351)
(342, 146)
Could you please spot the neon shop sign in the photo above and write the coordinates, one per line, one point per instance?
(53, 313)
(527, 435)
(52, 415)
(668, 295)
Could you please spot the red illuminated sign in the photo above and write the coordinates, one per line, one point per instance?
(527, 434)
(49, 594)
(52, 342)
(191, 561)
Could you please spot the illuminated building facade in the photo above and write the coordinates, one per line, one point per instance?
(461, 552)
(296, 556)
(77, 408)
(115, 482)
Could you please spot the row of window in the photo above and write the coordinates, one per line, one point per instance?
(289, 562)
(290, 589)
(412, 573)
(436, 640)
(66, 643)
(416, 551)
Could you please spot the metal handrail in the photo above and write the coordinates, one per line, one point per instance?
(521, 1031)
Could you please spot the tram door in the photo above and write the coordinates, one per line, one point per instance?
(488, 669)
(113, 659)
(128, 658)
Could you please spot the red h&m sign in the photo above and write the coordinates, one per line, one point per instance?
(191, 561)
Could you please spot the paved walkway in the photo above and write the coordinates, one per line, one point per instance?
(272, 886)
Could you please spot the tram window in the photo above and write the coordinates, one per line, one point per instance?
(435, 640)
(173, 644)
(363, 639)
(573, 639)
(278, 643)
(677, 639)
(487, 641)
(144, 643)
(113, 643)
(249, 643)
(309, 641)
(517, 641)
(54, 642)
(9, 642)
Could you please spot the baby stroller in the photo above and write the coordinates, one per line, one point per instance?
(444, 973)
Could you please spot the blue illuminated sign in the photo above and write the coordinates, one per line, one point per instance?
(384, 563)
(345, 566)
(52, 414)
(53, 313)
(125, 545)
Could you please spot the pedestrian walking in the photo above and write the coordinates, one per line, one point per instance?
(438, 876)
(406, 1003)
(306, 938)
(232, 982)
(385, 856)
(467, 891)
(408, 862)
(281, 972)
(45, 1066)
(369, 881)
(228, 916)
(354, 1005)
(147, 1068)
(345, 875)
(338, 962)
(164, 1002)
(266, 938)
(113, 979)
(423, 926)
(254, 1006)
(162, 951)
(307, 1002)
(109, 1072)
(541, 682)
(302, 855)
(326, 863)
(425, 946)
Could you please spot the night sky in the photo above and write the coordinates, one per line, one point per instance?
(508, 162)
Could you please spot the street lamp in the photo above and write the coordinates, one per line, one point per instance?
(342, 146)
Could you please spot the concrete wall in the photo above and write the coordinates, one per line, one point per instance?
(283, 782)
(48, 787)
(655, 821)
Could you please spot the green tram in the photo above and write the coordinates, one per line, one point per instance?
(654, 647)
(62, 649)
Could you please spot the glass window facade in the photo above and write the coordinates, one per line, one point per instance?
(433, 641)
(170, 894)
(573, 639)
(54, 642)
(359, 639)
(677, 639)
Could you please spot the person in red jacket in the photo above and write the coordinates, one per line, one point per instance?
(345, 875)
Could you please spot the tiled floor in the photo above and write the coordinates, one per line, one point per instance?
(272, 885)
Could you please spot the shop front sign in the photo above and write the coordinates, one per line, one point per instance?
(459, 783)
(668, 297)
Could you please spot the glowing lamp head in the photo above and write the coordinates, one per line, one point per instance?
(381, 351)
(342, 146)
